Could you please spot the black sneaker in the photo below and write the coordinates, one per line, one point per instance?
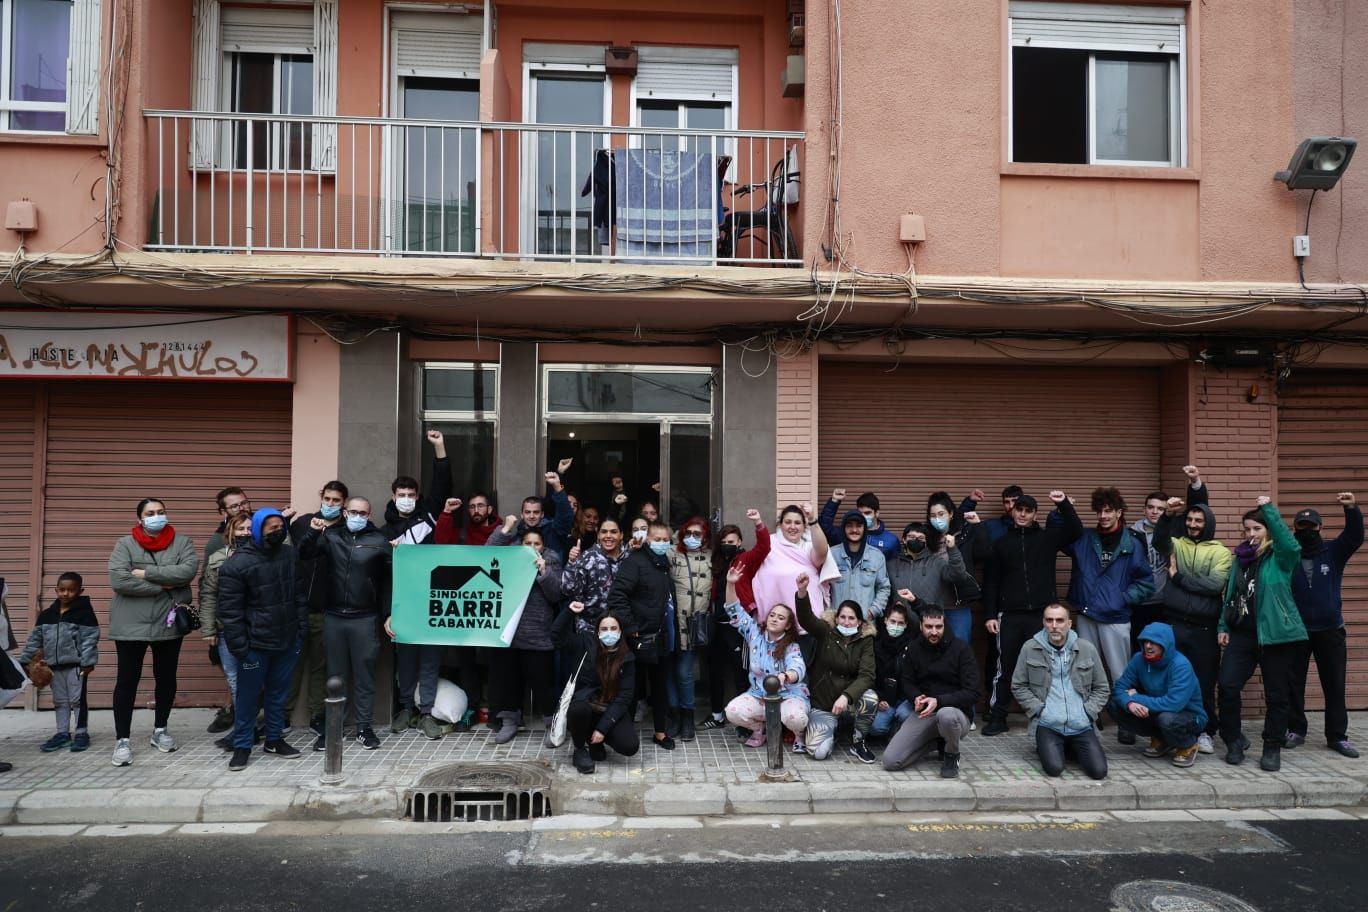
(860, 751)
(1235, 750)
(239, 761)
(367, 739)
(598, 752)
(316, 725)
(665, 743)
(950, 766)
(282, 749)
(1271, 761)
(995, 726)
(583, 762)
(225, 743)
(711, 723)
(1125, 737)
(321, 744)
(223, 720)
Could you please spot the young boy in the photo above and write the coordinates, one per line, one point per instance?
(68, 633)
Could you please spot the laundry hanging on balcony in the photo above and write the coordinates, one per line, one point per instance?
(667, 204)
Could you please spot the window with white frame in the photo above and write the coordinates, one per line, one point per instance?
(1098, 84)
(49, 65)
(686, 89)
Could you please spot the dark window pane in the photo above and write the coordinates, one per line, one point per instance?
(647, 393)
(1049, 105)
(438, 184)
(252, 92)
(463, 389)
(690, 472)
(472, 443)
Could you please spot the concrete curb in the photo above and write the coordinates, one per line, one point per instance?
(141, 806)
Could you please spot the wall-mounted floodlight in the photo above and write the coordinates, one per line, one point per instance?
(1318, 163)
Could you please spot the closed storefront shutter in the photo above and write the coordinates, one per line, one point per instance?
(906, 433)
(1322, 450)
(111, 444)
(17, 428)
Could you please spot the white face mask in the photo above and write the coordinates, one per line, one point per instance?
(405, 504)
(848, 631)
(639, 535)
(896, 630)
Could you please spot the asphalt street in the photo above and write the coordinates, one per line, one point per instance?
(1235, 866)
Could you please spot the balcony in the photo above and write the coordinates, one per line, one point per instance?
(233, 183)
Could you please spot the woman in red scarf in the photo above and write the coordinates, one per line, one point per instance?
(150, 572)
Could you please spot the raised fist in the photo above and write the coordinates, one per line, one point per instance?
(949, 541)
(801, 583)
(577, 607)
(620, 499)
(972, 518)
(1058, 496)
(452, 505)
(1192, 472)
(435, 437)
(753, 515)
(1262, 499)
(838, 495)
(978, 495)
(318, 523)
(1175, 504)
(564, 465)
(808, 511)
(907, 595)
(1346, 498)
(510, 522)
(289, 513)
(553, 480)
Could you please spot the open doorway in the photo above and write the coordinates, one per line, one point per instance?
(604, 451)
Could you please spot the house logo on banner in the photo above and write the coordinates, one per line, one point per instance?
(460, 595)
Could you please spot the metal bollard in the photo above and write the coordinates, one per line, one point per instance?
(774, 732)
(334, 709)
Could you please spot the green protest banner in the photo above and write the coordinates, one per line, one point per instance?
(460, 595)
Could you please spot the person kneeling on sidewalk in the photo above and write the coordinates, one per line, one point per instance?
(265, 619)
(1158, 696)
(600, 712)
(841, 677)
(1062, 685)
(940, 679)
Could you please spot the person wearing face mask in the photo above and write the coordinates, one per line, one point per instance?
(1198, 569)
(359, 562)
(150, 572)
(726, 668)
(841, 675)
(691, 565)
(410, 515)
(238, 534)
(1157, 696)
(311, 669)
(527, 664)
(890, 645)
(265, 618)
(600, 712)
(636, 538)
(773, 650)
(864, 571)
(231, 502)
(1111, 575)
(643, 596)
(921, 572)
(1260, 625)
(1316, 590)
(971, 540)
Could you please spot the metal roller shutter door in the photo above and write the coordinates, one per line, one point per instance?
(1322, 450)
(909, 432)
(18, 406)
(111, 444)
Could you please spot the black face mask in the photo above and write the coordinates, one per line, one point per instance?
(916, 545)
(241, 541)
(729, 551)
(275, 539)
(1309, 539)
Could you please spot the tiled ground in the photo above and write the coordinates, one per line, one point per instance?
(715, 757)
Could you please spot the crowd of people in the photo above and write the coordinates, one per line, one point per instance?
(869, 634)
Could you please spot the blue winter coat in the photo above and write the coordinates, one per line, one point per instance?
(1168, 685)
(1107, 596)
(1319, 600)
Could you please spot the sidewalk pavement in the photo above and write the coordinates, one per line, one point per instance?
(714, 775)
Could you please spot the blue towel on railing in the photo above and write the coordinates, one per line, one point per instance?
(666, 203)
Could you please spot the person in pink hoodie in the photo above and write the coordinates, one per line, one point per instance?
(795, 550)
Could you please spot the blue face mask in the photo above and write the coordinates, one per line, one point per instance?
(154, 524)
(330, 511)
(869, 520)
(610, 638)
(693, 542)
(356, 523)
(940, 523)
(660, 548)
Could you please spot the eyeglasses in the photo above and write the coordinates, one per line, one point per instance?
(237, 507)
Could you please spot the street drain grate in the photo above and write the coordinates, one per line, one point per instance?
(480, 792)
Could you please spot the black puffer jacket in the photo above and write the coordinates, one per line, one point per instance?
(259, 603)
(945, 670)
(358, 568)
(888, 656)
(311, 574)
(641, 596)
(1021, 571)
(581, 642)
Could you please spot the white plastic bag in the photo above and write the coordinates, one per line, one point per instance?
(450, 703)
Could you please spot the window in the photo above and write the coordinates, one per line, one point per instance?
(1098, 84)
(640, 391)
(270, 84)
(460, 399)
(686, 89)
(49, 65)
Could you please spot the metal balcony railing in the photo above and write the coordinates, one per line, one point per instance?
(243, 183)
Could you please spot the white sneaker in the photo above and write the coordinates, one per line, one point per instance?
(1204, 745)
(123, 753)
(162, 741)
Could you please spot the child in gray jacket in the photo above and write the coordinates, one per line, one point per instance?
(68, 633)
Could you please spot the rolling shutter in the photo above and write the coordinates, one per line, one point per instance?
(1322, 447)
(274, 31)
(1097, 26)
(686, 73)
(18, 405)
(111, 444)
(436, 44)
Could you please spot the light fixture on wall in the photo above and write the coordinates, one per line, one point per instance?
(1318, 163)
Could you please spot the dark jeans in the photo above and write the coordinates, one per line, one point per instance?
(1237, 666)
(263, 678)
(1016, 628)
(418, 668)
(726, 676)
(582, 719)
(1176, 729)
(1199, 645)
(1328, 646)
(353, 645)
(1086, 749)
(513, 672)
(165, 661)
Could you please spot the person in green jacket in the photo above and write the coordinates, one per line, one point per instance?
(841, 676)
(150, 572)
(1260, 625)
